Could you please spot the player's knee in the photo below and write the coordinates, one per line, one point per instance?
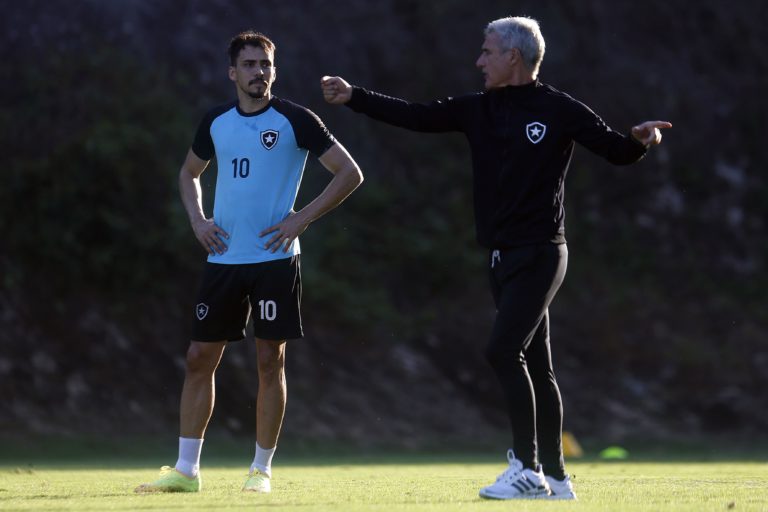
(202, 360)
(502, 358)
(271, 362)
(271, 368)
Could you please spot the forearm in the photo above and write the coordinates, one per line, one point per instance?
(191, 196)
(620, 149)
(344, 182)
(617, 148)
(433, 117)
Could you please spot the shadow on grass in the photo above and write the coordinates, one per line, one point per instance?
(24, 454)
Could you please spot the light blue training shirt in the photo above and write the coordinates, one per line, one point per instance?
(260, 158)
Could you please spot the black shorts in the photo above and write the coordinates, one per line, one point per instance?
(228, 293)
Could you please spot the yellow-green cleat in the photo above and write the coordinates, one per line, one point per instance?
(257, 482)
(171, 480)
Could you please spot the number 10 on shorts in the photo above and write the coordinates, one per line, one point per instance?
(267, 310)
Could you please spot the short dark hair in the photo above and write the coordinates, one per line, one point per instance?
(248, 38)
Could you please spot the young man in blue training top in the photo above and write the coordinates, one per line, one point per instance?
(261, 144)
(521, 134)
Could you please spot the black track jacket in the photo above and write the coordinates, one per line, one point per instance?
(521, 139)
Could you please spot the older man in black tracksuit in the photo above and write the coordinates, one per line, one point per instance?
(521, 133)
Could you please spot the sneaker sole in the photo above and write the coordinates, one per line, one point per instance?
(537, 496)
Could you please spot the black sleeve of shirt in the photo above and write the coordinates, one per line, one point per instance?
(438, 116)
(589, 130)
(202, 145)
(310, 132)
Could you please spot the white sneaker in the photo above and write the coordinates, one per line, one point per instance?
(517, 483)
(257, 481)
(561, 489)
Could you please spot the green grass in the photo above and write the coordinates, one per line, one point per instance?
(432, 483)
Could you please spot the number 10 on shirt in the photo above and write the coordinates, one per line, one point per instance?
(243, 169)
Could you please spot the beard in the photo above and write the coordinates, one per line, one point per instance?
(260, 93)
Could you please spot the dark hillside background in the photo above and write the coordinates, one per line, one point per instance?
(659, 331)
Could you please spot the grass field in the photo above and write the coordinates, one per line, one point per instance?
(385, 483)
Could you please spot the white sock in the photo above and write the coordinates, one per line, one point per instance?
(263, 460)
(189, 456)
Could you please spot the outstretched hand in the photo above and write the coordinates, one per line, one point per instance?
(648, 133)
(336, 90)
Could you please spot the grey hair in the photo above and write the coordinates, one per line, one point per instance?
(523, 33)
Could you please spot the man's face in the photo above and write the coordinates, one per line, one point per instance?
(495, 62)
(254, 72)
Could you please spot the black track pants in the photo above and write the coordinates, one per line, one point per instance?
(524, 281)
